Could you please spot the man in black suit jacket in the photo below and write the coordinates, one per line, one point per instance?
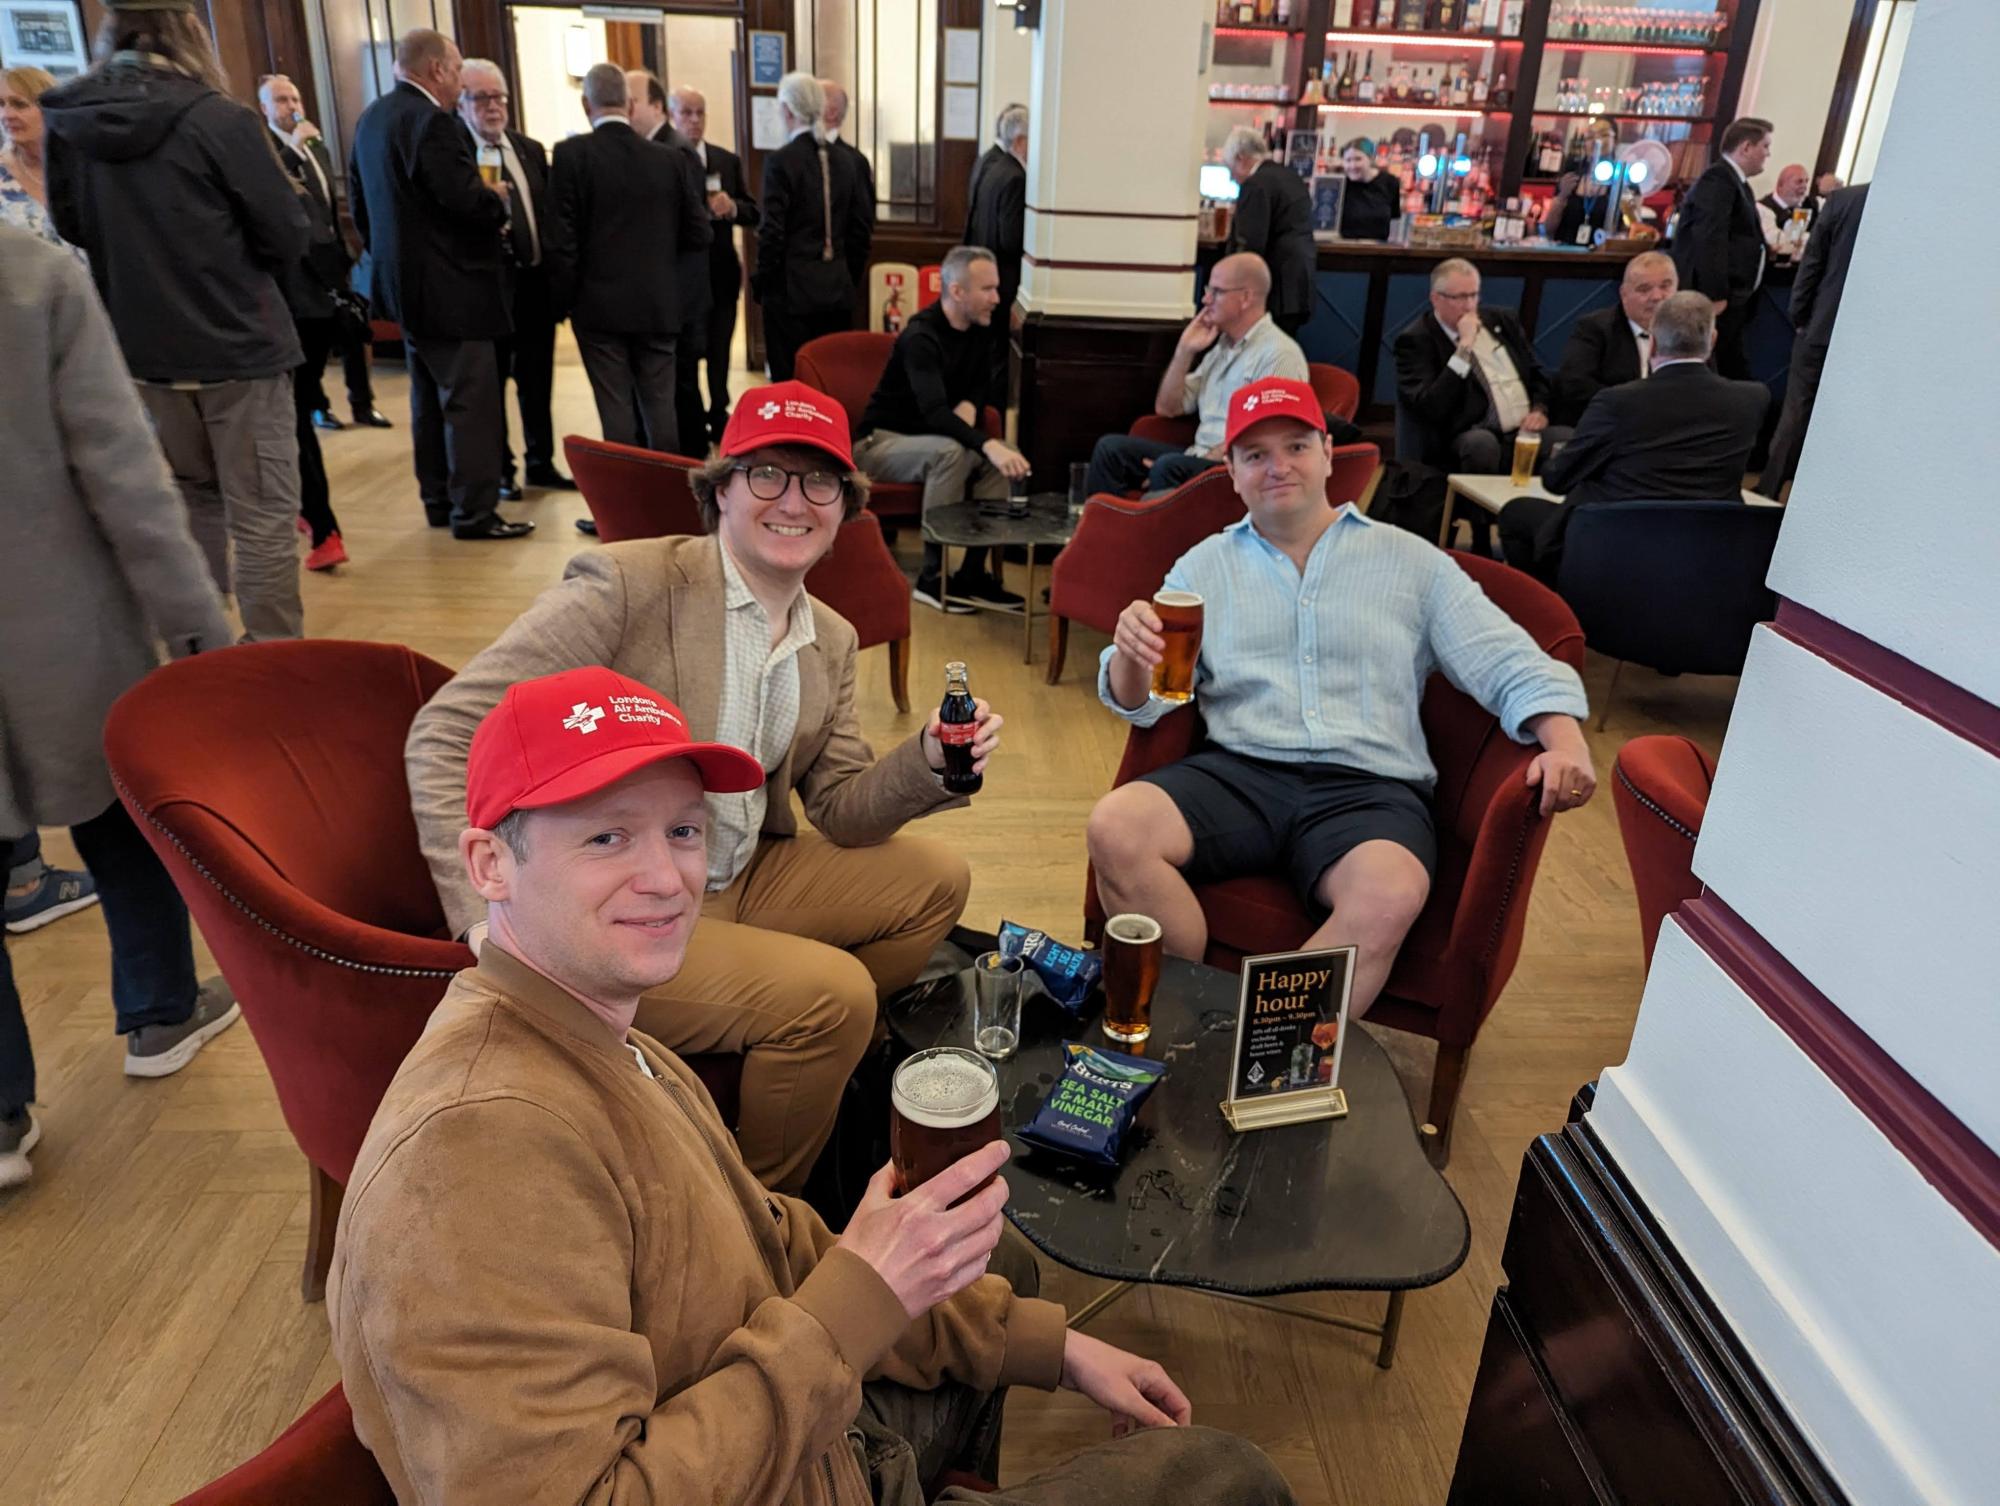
(1815, 301)
(529, 354)
(1466, 379)
(625, 210)
(729, 207)
(1719, 244)
(651, 119)
(834, 119)
(1273, 218)
(997, 219)
(1613, 346)
(809, 266)
(1683, 434)
(435, 243)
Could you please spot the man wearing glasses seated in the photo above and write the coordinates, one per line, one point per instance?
(1231, 343)
(803, 931)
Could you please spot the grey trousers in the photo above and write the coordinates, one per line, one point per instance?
(632, 378)
(950, 472)
(457, 431)
(234, 450)
(908, 1438)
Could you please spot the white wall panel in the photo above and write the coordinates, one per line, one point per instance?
(1862, 840)
(1871, 1307)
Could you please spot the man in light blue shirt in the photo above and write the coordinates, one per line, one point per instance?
(1235, 342)
(1320, 629)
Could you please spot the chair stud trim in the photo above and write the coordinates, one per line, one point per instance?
(1506, 905)
(290, 940)
(1650, 804)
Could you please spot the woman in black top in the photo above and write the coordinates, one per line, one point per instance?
(1373, 197)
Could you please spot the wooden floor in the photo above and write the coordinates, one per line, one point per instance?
(151, 1331)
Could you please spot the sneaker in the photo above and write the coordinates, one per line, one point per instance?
(18, 1136)
(162, 1050)
(325, 555)
(984, 589)
(59, 892)
(930, 591)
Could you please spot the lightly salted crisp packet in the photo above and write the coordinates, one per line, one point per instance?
(1068, 973)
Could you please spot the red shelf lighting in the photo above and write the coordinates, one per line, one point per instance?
(1452, 112)
(1258, 31)
(1410, 39)
(1631, 47)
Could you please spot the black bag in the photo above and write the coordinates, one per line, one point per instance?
(1410, 496)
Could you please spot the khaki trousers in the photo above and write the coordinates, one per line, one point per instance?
(786, 966)
(234, 450)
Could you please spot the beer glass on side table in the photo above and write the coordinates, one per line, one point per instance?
(944, 1104)
(1527, 448)
(1132, 949)
(1180, 624)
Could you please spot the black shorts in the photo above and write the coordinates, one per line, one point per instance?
(1251, 815)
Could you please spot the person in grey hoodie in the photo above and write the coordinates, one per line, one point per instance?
(174, 192)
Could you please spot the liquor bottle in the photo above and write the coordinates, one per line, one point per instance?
(1284, 12)
(957, 727)
(1447, 16)
(1267, 11)
(1344, 91)
(1501, 95)
(1412, 17)
(1365, 90)
(1343, 14)
(1461, 88)
(1385, 15)
(1479, 90)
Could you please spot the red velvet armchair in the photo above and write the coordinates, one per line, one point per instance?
(1339, 393)
(847, 367)
(317, 1461)
(1461, 951)
(1123, 547)
(269, 778)
(643, 494)
(1661, 786)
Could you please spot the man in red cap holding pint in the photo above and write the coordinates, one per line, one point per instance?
(1319, 629)
(556, 1280)
(804, 931)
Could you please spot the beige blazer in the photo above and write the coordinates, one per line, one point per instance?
(652, 610)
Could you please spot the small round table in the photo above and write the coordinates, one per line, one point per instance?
(968, 525)
(1348, 1204)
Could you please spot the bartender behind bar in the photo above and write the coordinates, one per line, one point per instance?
(1373, 198)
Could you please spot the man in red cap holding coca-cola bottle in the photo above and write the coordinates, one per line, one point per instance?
(805, 930)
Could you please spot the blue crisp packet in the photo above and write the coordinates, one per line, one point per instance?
(1068, 973)
(1093, 1103)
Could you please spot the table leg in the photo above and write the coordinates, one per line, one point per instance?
(1028, 612)
(1392, 1322)
(1444, 526)
(1098, 1303)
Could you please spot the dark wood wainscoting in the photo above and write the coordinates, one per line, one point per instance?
(1081, 377)
(1607, 1376)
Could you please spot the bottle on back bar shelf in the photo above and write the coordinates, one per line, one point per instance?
(957, 726)
(1366, 88)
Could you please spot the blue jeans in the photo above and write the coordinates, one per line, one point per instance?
(1118, 465)
(152, 947)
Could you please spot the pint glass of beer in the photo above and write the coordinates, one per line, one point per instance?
(944, 1104)
(1527, 447)
(1131, 972)
(1180, 624)
(489, 164)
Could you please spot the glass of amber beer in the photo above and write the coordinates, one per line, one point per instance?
(1180, 624)
(1131, 972)
(944, 1104)
(1527, 449)
(489, 163)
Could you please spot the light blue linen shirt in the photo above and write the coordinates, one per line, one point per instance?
(1328, 666)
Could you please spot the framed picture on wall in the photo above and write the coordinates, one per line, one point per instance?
(43, 34)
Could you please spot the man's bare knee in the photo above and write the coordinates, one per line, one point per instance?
(1376, 896)
(1133, 825)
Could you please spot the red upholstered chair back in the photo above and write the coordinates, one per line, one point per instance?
(1123, 547)
(632, 493)
(269, 778)
(1661, 787)
(1338, 391)
(1353, 468)
(860, 579)
(317, 1461)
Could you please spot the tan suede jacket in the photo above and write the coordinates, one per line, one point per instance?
(556, 1282)
(652, 609)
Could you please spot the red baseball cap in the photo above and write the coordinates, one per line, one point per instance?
(1272, 397)
(568, 735)
(788, 413)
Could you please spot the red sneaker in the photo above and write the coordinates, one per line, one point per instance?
(325, 556)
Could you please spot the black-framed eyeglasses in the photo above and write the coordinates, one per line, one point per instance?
(489, 98)
(768, 483)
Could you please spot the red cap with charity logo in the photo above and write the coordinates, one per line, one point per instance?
(568, 735)
(788, 413)
(1272, 397)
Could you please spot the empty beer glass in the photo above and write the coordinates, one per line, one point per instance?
(996, 1004)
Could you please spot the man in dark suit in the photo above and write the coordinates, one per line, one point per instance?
(1719, 244)
(652, 120)
(625, 210)
(834, 119)
(810, 265)
(434, 233)
(302, 150)
(1613, 346)
(1683, 434)
(730, 207)
(997, 220)
(1815, 302)
(1273, 218)
(529, 354)
(1466, 379)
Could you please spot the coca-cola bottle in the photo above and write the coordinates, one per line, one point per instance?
(957, 726)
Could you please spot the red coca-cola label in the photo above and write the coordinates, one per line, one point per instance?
(957, 734)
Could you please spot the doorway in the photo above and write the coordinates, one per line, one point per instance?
(554, 45)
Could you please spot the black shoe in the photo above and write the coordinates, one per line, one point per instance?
(371, 419)
(509, 492)
(587, 525)
(985, 590)
(323, 419)
(495, 527)
(439, 517)
(549, 479)
(931, 594)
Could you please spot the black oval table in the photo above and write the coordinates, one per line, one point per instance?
(1349, 1204)
(1045, 518)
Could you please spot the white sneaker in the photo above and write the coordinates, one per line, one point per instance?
(16, 1140)
(162, 1050)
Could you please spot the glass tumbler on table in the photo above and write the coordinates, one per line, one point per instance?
(1079, 488)
(996, 1004)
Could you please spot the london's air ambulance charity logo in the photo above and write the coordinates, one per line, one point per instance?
(583, 717)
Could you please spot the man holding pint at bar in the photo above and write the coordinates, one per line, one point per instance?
(1318, 631)
(556, 1280)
